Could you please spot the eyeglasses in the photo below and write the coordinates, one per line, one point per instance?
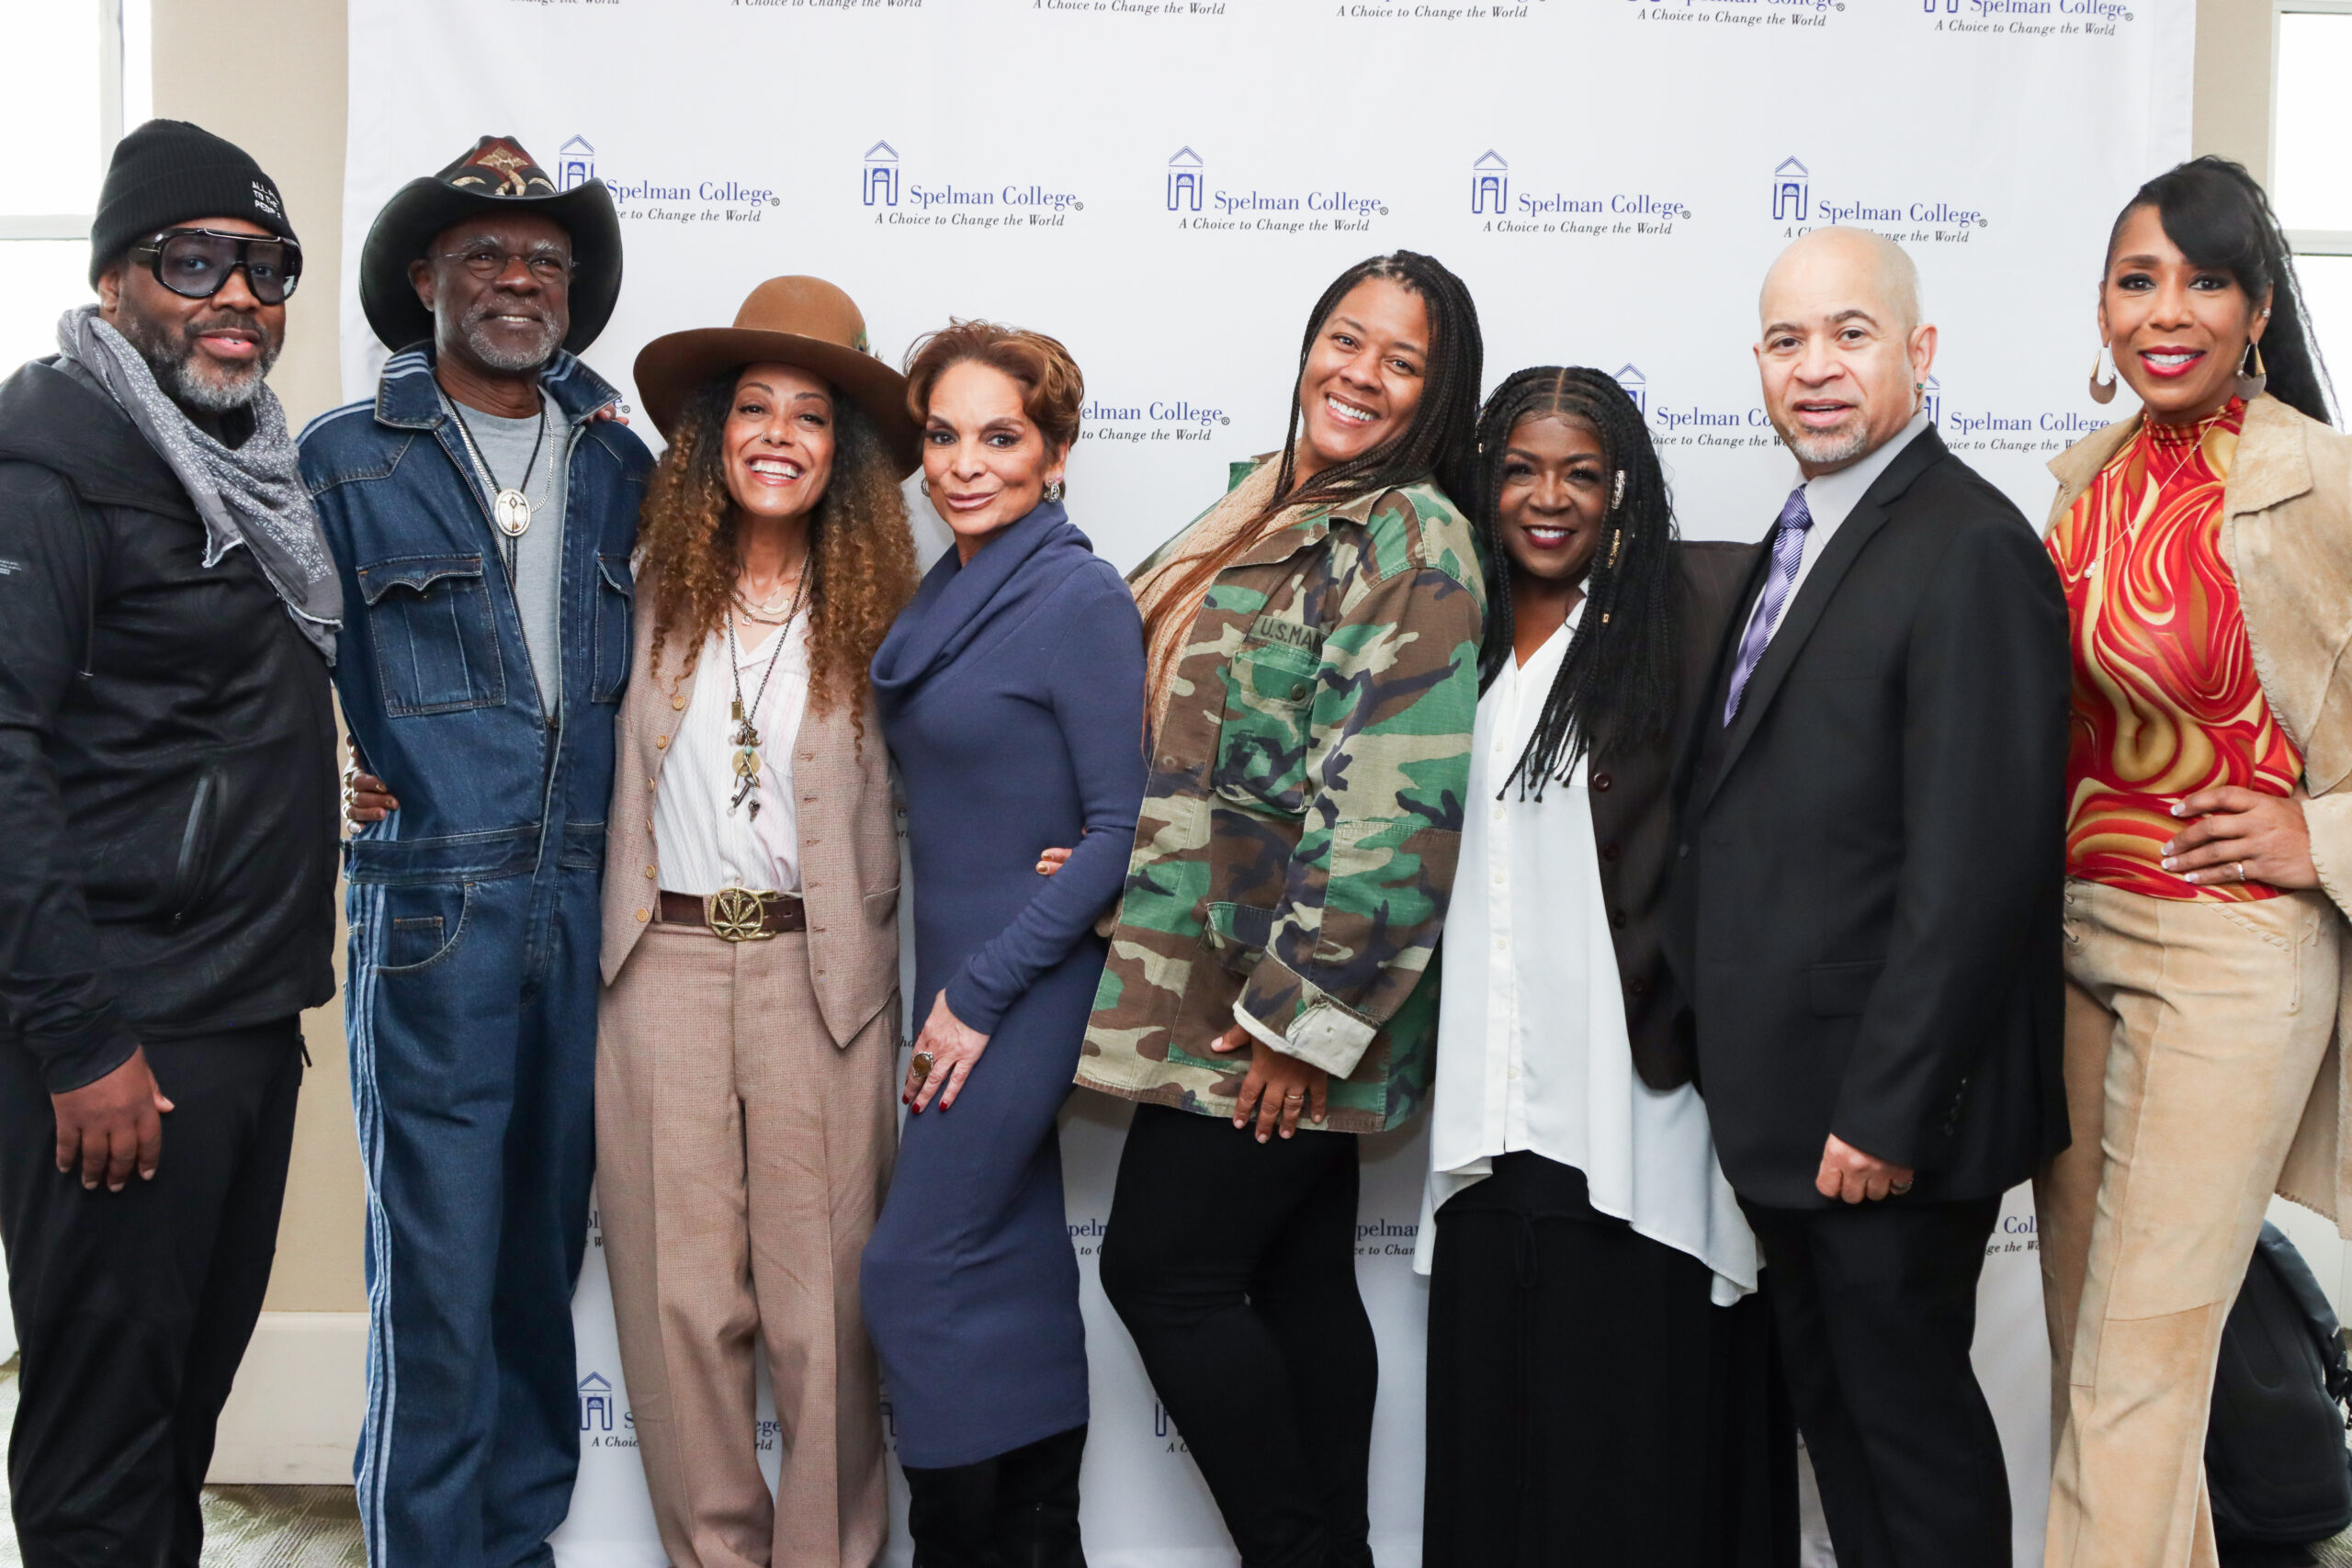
(487, 261)
(194, 264)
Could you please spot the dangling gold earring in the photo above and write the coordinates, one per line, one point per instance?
(2251, 382)
(2102, 391)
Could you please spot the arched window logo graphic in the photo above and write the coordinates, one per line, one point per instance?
(1184, 181)
(1948, 7)
(575, 164)
(881, 176)
(1931, 400)
(596, 1404)
(1792, 192)
(1490, 184)
(1637, 387)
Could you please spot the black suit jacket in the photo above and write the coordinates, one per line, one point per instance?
(1633, 814)
(1865, 918)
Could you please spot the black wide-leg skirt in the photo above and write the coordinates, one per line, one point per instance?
(1587, 1404)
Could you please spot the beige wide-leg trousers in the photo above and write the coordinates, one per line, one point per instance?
(741, 1162)
(2194, 1032)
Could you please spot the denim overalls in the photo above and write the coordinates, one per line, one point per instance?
(470, 995)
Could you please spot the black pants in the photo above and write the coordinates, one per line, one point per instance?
(1876, 1304)
(1233, 1265)
(134, 1307)
(1588, 1401)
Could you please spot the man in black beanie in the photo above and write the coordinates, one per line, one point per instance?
(168, 615)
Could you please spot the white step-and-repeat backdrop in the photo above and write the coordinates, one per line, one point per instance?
(1167, 185)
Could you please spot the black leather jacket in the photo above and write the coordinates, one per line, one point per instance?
(167, 767)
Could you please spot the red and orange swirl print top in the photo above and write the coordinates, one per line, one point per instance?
(2166, 702)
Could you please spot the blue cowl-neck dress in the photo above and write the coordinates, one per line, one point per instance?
(1011, 693)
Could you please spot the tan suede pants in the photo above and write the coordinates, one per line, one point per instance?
(741, 1162)
(2194, 1032)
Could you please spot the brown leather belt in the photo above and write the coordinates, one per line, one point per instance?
(734, 914)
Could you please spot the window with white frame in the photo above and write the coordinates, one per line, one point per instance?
(81, 74)
(2310, 174)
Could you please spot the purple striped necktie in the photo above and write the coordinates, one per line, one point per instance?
(1788, 554)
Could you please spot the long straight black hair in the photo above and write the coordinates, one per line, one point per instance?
(2218, 215)
(1616, 682)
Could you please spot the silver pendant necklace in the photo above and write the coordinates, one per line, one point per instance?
(744, 739)
(510, 508)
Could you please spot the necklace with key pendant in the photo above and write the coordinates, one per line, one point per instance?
(745, 736)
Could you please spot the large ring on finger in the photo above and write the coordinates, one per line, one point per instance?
(921, 1064)
(2241, 865)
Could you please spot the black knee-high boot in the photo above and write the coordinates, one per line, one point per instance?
(952, 1515)
(1037, 1503)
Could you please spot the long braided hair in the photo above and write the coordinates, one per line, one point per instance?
(2216, 212)
(1435, 442)
(1616, 684)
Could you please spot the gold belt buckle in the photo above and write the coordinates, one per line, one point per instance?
(737, 914)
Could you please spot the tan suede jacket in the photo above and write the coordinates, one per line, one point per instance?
(2287, 534)
(847, 828)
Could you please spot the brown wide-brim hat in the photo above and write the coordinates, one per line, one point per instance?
(804, 321)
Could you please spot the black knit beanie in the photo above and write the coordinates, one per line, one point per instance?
(168, 172)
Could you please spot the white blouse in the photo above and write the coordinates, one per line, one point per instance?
(704, 842)
(1532, 1049)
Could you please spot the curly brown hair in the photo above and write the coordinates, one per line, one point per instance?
(861, 551)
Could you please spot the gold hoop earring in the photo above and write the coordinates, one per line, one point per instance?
(2102, 392)
(2251, 382)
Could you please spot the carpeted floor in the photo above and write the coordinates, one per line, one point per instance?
(244, 1526)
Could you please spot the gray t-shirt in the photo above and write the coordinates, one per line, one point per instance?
(536, 559)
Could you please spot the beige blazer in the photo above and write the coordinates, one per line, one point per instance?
(2287, 534)
(847, 828)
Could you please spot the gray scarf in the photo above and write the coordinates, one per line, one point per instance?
(251, 495)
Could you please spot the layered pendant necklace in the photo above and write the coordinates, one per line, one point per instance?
(744, 739)
(510, 508)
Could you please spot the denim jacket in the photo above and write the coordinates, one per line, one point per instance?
(435, 678)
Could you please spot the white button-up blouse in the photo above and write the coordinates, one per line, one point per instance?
(704, 842)
(1532, 1050)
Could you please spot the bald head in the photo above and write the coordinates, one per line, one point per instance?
(1843, 352)
(1851, 261)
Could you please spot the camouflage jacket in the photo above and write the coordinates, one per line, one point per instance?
(1299, 828)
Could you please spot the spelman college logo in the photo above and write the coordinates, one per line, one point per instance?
(1792, 188)
(1188, 192)
(1558, 212)
(1490, 184)
(1013, 205)
(1636, 385)
(596, 1404)
(669, 197)
(1908, 222)
(1184, 181)
(881, 176)
(575, 164)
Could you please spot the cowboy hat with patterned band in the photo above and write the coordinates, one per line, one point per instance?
(804, 321)
(498, 175)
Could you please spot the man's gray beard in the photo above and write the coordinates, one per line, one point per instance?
(478, 342)
(1829, 451)
(185, 378)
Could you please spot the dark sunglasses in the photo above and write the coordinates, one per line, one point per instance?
(194, 264)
